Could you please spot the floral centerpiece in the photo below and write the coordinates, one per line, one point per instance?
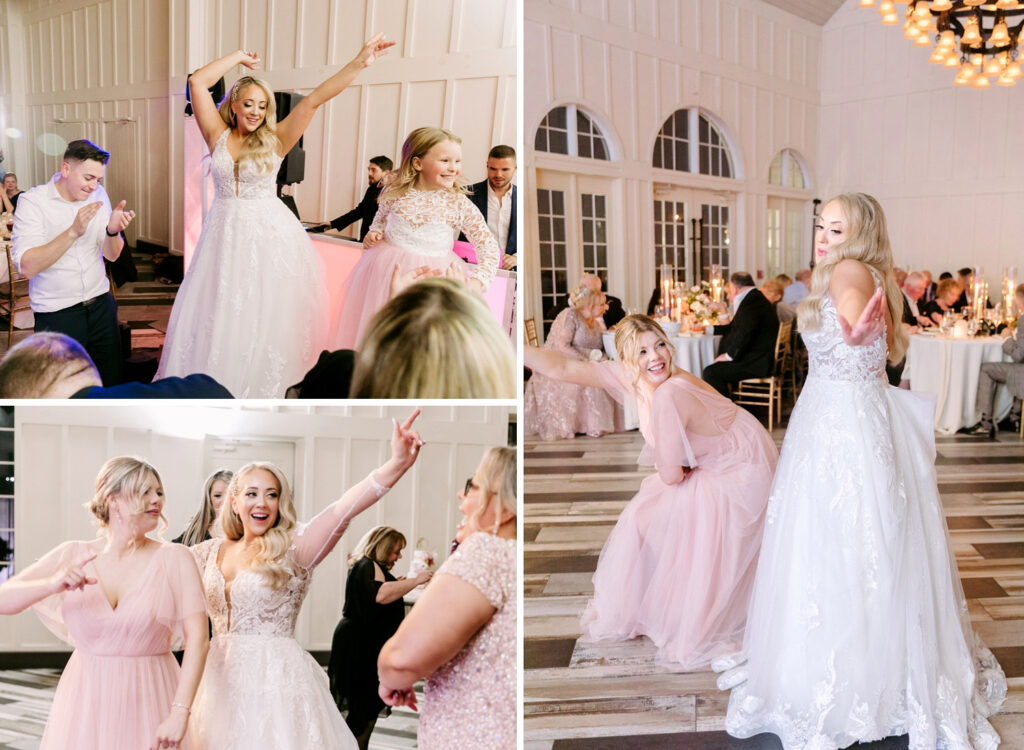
(699, 300)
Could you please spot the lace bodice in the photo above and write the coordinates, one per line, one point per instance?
(832, 358)
(250, 184)
(429, 221)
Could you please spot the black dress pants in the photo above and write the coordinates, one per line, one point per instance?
(93, 324)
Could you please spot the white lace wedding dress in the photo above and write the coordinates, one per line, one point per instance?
(260, 688)
(252, 310)
(858, 627)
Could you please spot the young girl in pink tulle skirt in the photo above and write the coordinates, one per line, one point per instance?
(420, 215)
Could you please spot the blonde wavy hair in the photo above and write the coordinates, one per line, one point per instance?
(498, 470)
(867, 241)
(205, 516)
(377, 544)
(124, 477)
(627, 342)
(434, 340)
(417, 145)
(261, 145)
(581, 296)
(270, 560)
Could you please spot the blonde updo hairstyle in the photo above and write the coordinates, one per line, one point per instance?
(272, 547)
(416, 146)
(377, 544)
(125, 478)
(498, 470)
(582, 295)
(627, 342)
(867, 241)
(261, 145)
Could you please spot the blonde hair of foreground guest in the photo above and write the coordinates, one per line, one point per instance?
(123, 477)
(867, 240)
(627, 342)
(498, 469)
(271, 547)
(434, 340)
(205, 516)
(417, 144)
(377, 544)
(35, 367)
(260, 146)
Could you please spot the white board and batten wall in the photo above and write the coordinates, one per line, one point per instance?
(114, 71)
(324, 450)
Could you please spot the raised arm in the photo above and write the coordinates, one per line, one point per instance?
(291, 128)
(853, 290)
(315, 540)
(391, 591)
(205, 109)
(488, 254)
(560, 367)
(54, 573)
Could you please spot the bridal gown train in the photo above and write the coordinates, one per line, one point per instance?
(251, 311)
(858, 627)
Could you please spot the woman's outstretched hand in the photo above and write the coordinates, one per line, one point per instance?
(375, 48)
(406, 442)
(869, 326)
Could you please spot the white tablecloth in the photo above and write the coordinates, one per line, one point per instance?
(949, 369)
(693, 353)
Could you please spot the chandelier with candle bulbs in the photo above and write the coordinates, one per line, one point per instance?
(981, 39)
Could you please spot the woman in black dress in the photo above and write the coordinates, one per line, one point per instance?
(372, 613)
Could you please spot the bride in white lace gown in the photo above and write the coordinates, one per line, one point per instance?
(858, 627)
(252, 310)
(261, 689)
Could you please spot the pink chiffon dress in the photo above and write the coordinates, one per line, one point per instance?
(419, 228)
(120, 682)
(556, 410)
(470, 702)
(679, 565)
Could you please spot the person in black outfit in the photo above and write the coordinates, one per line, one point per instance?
(11, 192)
(372, 613)
(747, 349)
(376, 170)
(490, 197)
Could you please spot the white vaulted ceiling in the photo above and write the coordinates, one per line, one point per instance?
(817, 11)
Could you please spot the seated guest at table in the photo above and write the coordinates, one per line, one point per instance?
(914, 287)
(786, 281)
(376, 170)
(556, 410)
(944, 275)
(496, 198)
(747, 349)
(10, 192)
(613, 311)
(799, 288)
(53, 365)
(900, 275)
(966, 298)
(945, 297)
(1010, 373)
(772, 291)
(929, 291)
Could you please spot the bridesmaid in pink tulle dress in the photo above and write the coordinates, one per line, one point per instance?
(558, 410)
(119, 600)
(679, 565)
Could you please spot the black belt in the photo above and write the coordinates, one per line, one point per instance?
(87, 303)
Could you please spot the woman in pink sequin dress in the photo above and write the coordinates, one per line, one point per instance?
(119, 600)
(419, 217)
(558, 410)
(461, 635)
(679, 565)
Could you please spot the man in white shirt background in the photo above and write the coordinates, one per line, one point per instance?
(63, 230)
(496, 198)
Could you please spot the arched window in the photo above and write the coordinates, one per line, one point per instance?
(786, 170)
(571, 131)
(687, 139)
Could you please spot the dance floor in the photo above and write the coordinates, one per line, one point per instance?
(611, 695)
(26, 696)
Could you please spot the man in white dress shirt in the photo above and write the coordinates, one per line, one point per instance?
(496, 199)
(62, 232)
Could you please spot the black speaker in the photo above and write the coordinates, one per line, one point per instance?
(217, 92)
(293, 168)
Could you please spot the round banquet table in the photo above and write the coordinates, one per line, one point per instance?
(693, 353)
(949, 368)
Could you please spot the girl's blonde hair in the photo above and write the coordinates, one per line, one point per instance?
(205, 516)
(434, 340)
(498, 470)
(377, 544)
(417, 144)
(867, 240)
(627, 342)
(261, 145)
(124, 477)
(272, 547)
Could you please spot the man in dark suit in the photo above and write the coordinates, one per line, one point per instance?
(496, 198)
(378, 167)
(747, 349)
